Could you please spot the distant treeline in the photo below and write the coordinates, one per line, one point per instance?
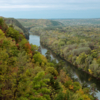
(80, 45)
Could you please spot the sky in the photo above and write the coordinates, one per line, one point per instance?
(50, 9)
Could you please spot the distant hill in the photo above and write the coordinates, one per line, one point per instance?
(79, 21)
(31, 23)
(17, 25)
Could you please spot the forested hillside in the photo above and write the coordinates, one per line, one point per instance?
(25, 74)
(34, 24)
(17, 26)
(79, 45)
(70, 22)
(38, 23)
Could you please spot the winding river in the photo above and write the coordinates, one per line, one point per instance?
(80, 75)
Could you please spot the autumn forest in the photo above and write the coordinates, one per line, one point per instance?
(26, 74)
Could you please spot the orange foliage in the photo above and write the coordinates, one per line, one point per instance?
(28, 48)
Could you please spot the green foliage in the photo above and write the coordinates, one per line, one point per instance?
(1, 33)
(81, 58)
(12, 33)
(93, 67)
(38, 58)
(18, 29)
(60, 96)
(48, 55)
(68, 83)
(52, 71)
(77, 86)
(22, 43)
(3, 26)
(1, 21)
(78, 51)
(34, 48)
(17, 26)
(94, 54)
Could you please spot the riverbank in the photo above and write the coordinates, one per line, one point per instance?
(77, 66)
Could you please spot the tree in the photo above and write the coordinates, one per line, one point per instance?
(12, 33)
(94, 67)
(81, 58)
(93, 89)
(48, 55)
(1, 21)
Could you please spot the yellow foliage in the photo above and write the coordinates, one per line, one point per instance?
(80, 91)
(33, 60)
(1, 33)
(90, 71)
(86, 97)
(71, 87)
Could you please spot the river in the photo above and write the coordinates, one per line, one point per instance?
(80, 75)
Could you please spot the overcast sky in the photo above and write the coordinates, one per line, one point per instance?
(42, 9)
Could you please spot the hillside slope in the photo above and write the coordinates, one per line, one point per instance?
(30, 23)
(79, 21)
(17, 25)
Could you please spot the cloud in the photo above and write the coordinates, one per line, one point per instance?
(49, 4)
(49, 1)
(23, 6)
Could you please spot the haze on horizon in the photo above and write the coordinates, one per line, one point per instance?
(50, 9)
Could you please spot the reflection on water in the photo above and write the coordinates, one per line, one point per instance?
(80, 75)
